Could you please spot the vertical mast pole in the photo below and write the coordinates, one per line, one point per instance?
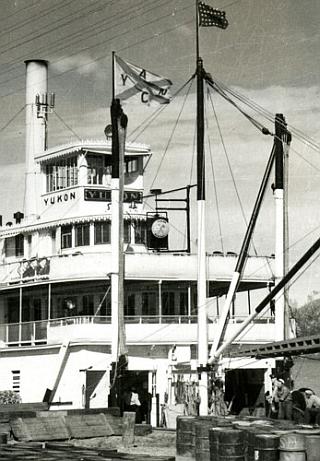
(280, 230)
(119, 124)
(202, 273)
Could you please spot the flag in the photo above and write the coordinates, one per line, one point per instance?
(209, 16)
(134, 81)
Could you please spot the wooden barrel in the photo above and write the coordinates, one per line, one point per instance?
(312, 447)
(202, 446)
(231, 445)
(3, 438)
(292, 447)
(185, 441)
(266, 447)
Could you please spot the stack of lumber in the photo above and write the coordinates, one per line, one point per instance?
(65, 452)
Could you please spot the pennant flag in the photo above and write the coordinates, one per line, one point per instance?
(133, 81)
(209, 16)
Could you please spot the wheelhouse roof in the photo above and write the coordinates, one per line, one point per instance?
(91, 147)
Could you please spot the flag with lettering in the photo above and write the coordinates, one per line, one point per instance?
(133, 81)
(209, 16)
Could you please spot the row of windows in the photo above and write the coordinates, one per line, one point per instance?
(102, 233)
(64, 173)
(14, 246)
(145, 303)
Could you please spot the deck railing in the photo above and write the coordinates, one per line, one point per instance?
(36, 333)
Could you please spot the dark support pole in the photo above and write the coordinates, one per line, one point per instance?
(200, 133)
(280, 128)
(188, 221)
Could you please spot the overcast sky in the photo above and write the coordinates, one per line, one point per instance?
(269, 53)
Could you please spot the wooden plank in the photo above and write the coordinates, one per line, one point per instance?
(37, 429)
(114, 411)
(7, 408)
(86, 426)
(128, 423)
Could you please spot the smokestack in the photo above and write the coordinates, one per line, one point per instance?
(36, 120)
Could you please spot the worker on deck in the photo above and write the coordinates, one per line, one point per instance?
(281, 401)
(312, 412)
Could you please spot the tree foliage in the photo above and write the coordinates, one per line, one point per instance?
(308, 318)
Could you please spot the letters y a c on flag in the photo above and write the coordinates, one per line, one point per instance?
(133, 81)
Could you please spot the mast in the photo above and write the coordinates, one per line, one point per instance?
(202, 272)
(281, 136)
(119, 124)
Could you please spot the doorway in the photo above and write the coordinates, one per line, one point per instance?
(244, 389)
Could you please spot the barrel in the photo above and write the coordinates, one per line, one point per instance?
(266, 447)
(202, 447)
(250, 436)
(231, 445)
(312, 447)
(292, 447)
(185, 441)
(3, 438)
(214, 442)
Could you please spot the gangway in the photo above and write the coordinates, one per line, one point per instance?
(290, 347)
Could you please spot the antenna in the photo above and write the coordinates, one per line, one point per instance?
(44, 104)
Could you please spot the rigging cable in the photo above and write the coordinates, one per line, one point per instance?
(172, 132)
(215, 187)
(230, 169)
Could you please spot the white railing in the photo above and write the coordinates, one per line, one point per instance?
(36, 333)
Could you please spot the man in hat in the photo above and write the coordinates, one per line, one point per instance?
(281, 400)
(312, 412)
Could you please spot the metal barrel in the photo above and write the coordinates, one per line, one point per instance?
(202, 446)
(292, 447)
(266, 447)
(185, 441)
(231, 445)
(312, 447)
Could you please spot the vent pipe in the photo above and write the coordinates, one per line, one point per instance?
(36, 125)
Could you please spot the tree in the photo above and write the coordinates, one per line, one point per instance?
(308, 317)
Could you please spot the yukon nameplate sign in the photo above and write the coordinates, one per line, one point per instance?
(66, 197)
(102, 195)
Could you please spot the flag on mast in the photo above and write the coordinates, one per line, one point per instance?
(209, 16)
(133, 81)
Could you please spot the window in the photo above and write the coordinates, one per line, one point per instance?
(62, 174)
(140, 232)
(131, 166)
(102, 232)
(183, 307)
(127, 232)
(66, 236)
(168, 303)
(82, 232)
(88, 305)
(14, 246)
(16, 381)
(149, 303)
(129, 306)
(99, 166)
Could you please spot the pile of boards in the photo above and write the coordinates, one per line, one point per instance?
(64, 452)
(34, 424)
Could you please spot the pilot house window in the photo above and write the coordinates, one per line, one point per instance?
(64, 173)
